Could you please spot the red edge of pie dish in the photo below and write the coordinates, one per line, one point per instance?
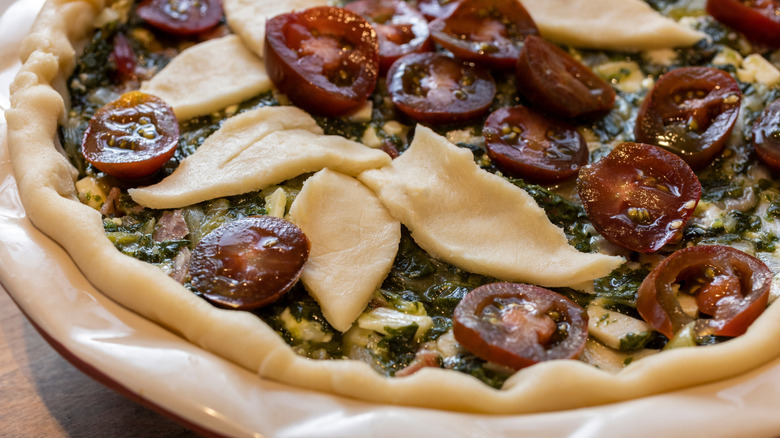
(110, 383)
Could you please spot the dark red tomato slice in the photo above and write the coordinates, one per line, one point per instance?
(518, 325)
(691, 112)
(433, 9)
(532, 146)
(325, 59)
(181, 17)
(250, 262)
(758, 20)
(131, 137)
(434, 88)
(487, 32)
(401, 29)
(730, 285)
(555, 82)
(639, 196)
(766, 135)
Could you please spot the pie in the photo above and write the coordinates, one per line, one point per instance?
(570, 214)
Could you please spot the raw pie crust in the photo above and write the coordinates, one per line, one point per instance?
(46, 184)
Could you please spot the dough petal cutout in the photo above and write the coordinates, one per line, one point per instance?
(354, 241)
(478, 221)
(254, 150)
(209, 76)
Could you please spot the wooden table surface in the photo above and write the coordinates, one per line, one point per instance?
(43, 395)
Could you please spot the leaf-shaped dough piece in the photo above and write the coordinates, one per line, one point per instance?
(478, 221)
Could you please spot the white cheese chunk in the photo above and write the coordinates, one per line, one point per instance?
(254, 150)
(208, 77)
(354, 241)
(247, 17)
(382, 318)
(478, 221)
(616, 330)
(755, 68)
(608, 24)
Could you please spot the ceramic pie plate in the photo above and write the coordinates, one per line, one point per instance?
(154, 367)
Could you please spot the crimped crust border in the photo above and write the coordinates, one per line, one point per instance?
(46, 185)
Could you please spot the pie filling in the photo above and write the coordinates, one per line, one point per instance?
(408, 321)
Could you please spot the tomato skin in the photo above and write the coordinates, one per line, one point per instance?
(553, 81)
(400, 28)
(707, 267)
(758, 20)
(308, 53)
(518, 325)
(191, 18)
(131, 137)
(532, 146)
(486, 32)
(639, 196)
(250, 262)
(766, 135)
(434, 88)
(690, 111)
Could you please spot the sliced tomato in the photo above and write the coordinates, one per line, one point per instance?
(518, 325)
(433, 9)
(758, 20)
(181, 17)
(639, 196)
(434, 88)
(691, 112)
(131, 137)
(124, 58)
(325, 59)
(250, 262)
(401, 29)
(766, 135)
(487, 32)
(532, 146)
(555, 82)
(730, 285)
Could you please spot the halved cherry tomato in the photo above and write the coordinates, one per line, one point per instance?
(131, 137)
(325, 59)
(181, 17)
(518, 325)
(433, 9)
(401, 29)
(529, 145)
(730, 285)
(691, 112)
(434, 88)
(639, 196)
(758, 20)
(487, 32)
(124, 58)
(250, 262)
(766, 135)
(555, 82)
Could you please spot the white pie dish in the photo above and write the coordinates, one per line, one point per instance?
(213, 394)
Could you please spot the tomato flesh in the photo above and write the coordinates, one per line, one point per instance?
(131, 137)
(250, 262)
(433, 9)
(518, 325)
(532, 146)
(487, 32)
(690, 111)
(730, 285)
(766, 135)
(325, 59)
(181, 17)
(639, 196)
(400, 28)
(758, 20)
(555, 82)
(434, 88)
